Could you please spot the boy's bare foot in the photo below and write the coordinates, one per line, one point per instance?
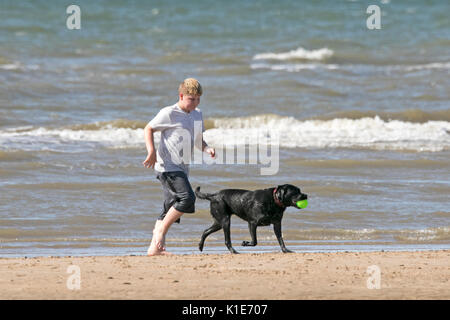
(157, 246)
(157, 250)
(159, 253)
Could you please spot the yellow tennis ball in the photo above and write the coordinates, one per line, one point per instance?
(302, 204)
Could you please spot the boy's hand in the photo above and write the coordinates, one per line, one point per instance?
(150, 161)
(211, 151)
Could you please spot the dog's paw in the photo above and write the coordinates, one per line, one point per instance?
(248, 244)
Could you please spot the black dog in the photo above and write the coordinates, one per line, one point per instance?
(258, 208)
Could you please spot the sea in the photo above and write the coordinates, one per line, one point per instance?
(353, 102)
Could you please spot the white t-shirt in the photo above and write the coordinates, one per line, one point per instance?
(180, 131)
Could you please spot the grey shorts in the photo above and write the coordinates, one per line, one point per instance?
(177, 192)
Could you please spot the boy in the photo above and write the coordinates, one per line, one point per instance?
(172, 171)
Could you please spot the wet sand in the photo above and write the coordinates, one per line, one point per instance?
(342, 275)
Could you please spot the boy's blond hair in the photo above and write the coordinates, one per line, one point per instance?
(190, 87)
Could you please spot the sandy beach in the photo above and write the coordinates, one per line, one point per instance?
(342, 275)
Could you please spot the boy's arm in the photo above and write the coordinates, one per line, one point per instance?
(150, 161)
(149, 141)
(206, 148)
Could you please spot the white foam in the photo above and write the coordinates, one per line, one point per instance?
(294, 67)
(434, 65)
(10, 66)
(67, 140)
(297, 67)
(18, 66)
(299, 53)
(371, 133)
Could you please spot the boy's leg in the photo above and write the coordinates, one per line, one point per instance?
(153, 245)
(178, 183)
(160, 231)
(169, 200)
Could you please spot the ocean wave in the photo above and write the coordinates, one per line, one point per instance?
(423, 235)
(402, 235)
(299, 53)
(365, 132)
(15, 156)
(113, 124)
(10, 66)
(410, 115)
(434, 65)
(349, 67)
(70, 140)
(67, 236)
(364, 163)
(294, 67)
(17, 66)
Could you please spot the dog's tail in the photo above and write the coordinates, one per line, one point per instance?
(202, 195)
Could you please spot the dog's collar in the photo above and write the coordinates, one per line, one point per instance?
(277, 201)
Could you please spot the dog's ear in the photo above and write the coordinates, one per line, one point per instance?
(281, 192)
